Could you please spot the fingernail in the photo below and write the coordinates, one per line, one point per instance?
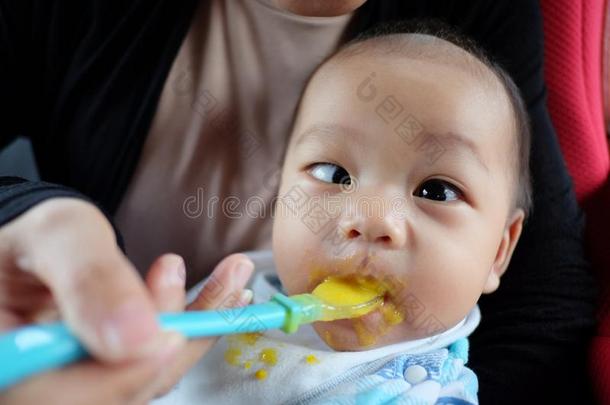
(244, 268)
(246, 296)
(130, 330)
(176, 274)
(181, 270)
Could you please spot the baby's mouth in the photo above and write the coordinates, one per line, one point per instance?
(353, 289)
(364, 331)
(373, 272)
(387, 284)
(352, 266)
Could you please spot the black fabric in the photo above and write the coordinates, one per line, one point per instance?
(82, 80)
(18, 195)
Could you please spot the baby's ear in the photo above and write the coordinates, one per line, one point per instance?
(505, 250)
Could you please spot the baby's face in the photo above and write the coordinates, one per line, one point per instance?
(401, 171)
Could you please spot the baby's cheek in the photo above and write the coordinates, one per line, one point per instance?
(300, 249)
(290, 247)
(439, 297)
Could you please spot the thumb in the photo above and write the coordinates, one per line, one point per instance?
(105, 303)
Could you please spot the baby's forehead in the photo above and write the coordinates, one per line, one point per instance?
(430, 57)
(417, 47)
(398, 59)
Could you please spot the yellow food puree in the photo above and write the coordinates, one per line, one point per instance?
(311, 359)
(342, 296)
(268, 356)
(349, 294)
(347, 297)
(234, 356)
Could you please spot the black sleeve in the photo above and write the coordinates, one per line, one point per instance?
(14, 89)
(531, 346)
(26, 31)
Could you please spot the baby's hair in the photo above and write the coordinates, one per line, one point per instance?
(389, 38)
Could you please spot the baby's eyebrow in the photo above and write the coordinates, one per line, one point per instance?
(448, 141)
(321, 131)
(452, 140)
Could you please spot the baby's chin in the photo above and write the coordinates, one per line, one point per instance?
(368, 332)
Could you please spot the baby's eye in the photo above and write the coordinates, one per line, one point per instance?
(438, 190)
(330, 173)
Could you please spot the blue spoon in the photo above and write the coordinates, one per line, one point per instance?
(34, 349)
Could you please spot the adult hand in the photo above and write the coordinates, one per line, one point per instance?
(223, 289)
(61, 257)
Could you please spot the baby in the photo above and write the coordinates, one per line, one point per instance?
(407, 168)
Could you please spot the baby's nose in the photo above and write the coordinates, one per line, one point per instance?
(384, 230)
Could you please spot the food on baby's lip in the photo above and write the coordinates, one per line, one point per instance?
(365, 336)
(348, 291)
(348, 297)
(391, 314)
